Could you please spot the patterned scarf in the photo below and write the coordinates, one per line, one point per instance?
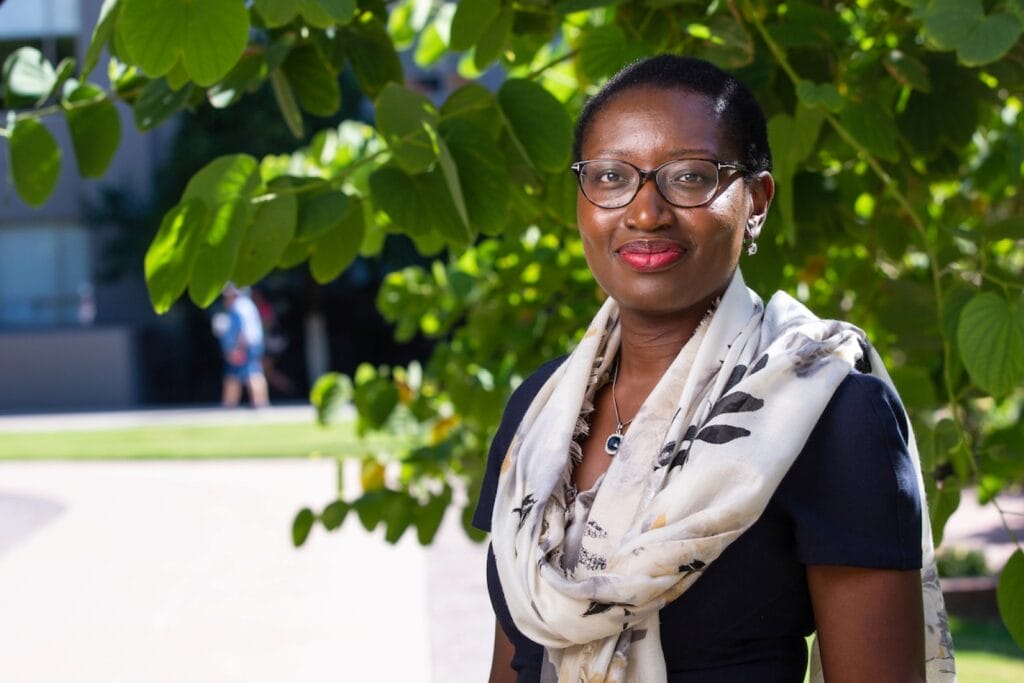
(698, 466)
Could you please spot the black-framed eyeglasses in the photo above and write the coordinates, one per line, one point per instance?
(686, 183)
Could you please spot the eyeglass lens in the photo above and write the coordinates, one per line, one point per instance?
(611, 184)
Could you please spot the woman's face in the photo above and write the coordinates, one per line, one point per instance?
(650, 256)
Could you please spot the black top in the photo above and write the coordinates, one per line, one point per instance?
(850, 498)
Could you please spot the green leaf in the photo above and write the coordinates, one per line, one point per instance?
(333, 516)
(370, 508)
(915, 386)
(158, 102)
(65, 69)
(207, 36)
(824, 95)
(285, 98)
(301, 526)
(177, 77)
(327, 13)
(990, 335)
(472, 17)
(603, 51)
(28, 78)
(419, 205)
(319, 213)
(226, 184)
(962, 25)
(228, 177)
(792, 138)
(295, 253)
(946, 116)
(219, 251)
(476, 104)
(272, 228)
(1007, 229)
(172, 253)
(402, 117)
(372, 54)
(95, 128)
(375, 400)
(949, 22)
(245, 76)
(990, 39)
(329, 393)
(872, 127)
(942, 503)
(450, 171)
(34, 160)
(809, 25)
(482, 173)
(525, 105)
(730, 46)
(101, 35)
(1010, 596)
(907, 70)
(493, 39)
(334, 252)
(277, 12)
(312, 80)
(430, 516)
(430, 47)
(399, 512)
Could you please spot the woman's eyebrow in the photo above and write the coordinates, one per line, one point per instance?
(673, 153)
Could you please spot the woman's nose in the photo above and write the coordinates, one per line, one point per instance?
(648, 210)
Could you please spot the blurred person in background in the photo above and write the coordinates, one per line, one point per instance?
(275, 343)
(240, 332)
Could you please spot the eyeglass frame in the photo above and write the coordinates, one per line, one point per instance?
(646, 175)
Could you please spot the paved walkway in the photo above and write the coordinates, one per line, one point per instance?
(183, 571)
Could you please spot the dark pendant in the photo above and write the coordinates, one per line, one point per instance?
(612, 443)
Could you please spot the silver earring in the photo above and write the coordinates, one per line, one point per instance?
(751, 241)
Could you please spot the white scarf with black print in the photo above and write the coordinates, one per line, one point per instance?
(698, 466)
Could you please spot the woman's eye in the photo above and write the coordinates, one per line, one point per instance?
(689, 178)
(609, 177)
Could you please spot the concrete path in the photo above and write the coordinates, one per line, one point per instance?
(184, 571)
(178, 571)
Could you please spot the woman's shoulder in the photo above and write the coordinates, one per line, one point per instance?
(865, 404)
(523, 394)
(516, 407)
(853, 489)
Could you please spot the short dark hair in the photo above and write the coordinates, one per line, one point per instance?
(740, 111)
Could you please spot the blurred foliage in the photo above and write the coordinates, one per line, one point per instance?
(956, 562)
(897, 133)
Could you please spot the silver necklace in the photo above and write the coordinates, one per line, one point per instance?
(614, 440)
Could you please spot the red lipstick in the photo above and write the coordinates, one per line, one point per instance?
(649, 256)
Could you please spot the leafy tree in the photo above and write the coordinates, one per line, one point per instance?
(896, 127)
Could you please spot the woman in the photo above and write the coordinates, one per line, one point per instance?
(698, 433)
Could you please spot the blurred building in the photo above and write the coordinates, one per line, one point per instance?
(77, 333)
(67, 341)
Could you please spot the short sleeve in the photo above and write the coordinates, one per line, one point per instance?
(852, 493)
(514, 411)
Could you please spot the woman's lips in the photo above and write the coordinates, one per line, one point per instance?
(648, 256)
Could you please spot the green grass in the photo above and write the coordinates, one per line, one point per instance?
(986, 653)
(289, 440)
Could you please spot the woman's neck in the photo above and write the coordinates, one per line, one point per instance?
(649, 344)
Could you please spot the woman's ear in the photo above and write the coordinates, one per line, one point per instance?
(762, 189)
